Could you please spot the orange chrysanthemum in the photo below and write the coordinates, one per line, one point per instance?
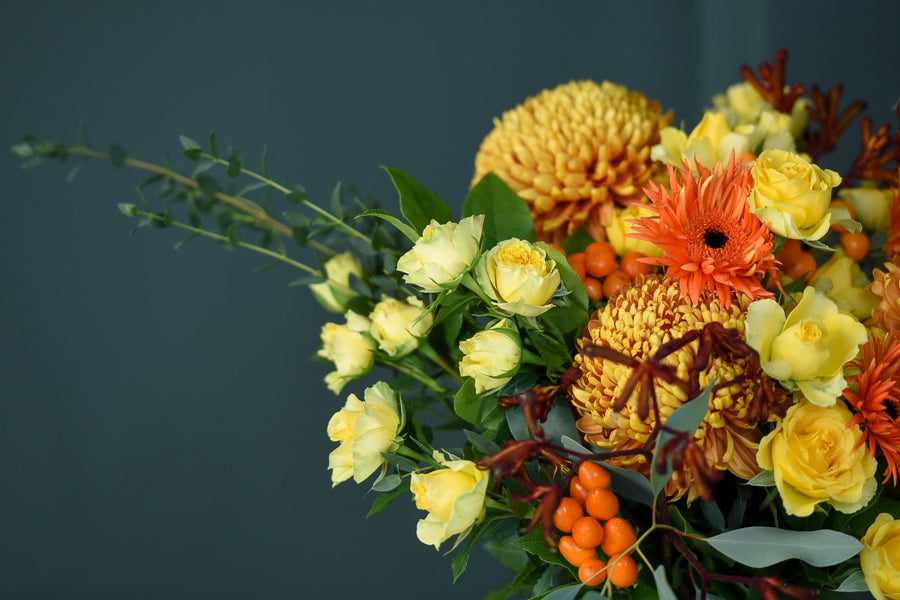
(710, 239)
(892, 248)
(875, 396)
(573, 152)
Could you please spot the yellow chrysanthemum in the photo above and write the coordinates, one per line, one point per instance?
(637, 323)
(573, 151)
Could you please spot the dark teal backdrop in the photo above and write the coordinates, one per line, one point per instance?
(162, 429)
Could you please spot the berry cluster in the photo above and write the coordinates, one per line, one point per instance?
(603, 275)
(588, 517)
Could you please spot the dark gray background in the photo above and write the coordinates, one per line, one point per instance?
(162, 430)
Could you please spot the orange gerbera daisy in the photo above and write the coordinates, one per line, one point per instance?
(875, 396)
(709, 237)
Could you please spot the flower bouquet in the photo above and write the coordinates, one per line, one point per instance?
(643, 362)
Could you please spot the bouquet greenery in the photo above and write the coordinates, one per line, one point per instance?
(643, 362)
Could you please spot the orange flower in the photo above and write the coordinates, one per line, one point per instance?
(875, 396)
(892, 248)
(886, 285)
(710, 239)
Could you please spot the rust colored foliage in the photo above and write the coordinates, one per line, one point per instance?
(825, 111)
(769, 81)
(878, 155)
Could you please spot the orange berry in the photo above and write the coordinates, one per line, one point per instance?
(791, 249)
(804, 265)
(599, 261)
(850, 209)
(592, 572)
(574, 553)
(577, 262)
(601, 504)
(577, 490)
(856, 245)
(624, 571)
(593, 476)
(567, 513)
(618, 536)
(614, 282)
(558, 247)
(631, 266)
(587, 532)
(594, 288)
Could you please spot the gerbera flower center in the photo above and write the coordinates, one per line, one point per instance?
(714, 238)
(890, 408)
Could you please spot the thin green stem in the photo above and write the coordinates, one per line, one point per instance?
(410, 453)
(222, 238)
(429, 352)
(418, 375)
(311, 205)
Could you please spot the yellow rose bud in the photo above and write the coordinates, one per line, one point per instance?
(872, 206)
(619, 229)
(334, 293)
(491, 357)
(397, 325)
(365, 431)
(519, 277)
(349, 350)
(806, 350)
(442, 254)
(453, 497)
(744, 102)
(815, 457)
(791, 195)
(880, 557)
(842, 280)
(711, 141)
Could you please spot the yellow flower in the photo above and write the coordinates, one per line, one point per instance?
(365, 431)
(519, 277)
(349, 350)
(742, 103)
(844, 282)
(880, 557)
(335, 292)
(806, 350)
(712, 141)
(815, 457)
(791, 196)
(872, 206)
(453, 497)
(491, 357)
(397, 325)
(442, 254)
(619, 229)
(886, 287)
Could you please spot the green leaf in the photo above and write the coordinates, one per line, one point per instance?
(567, 592)
(764, 479)
(662, 585)
(400, 225)
(855, 582)
(713, 514)
(297, 195)
(578, 241)
(129, 210)
(544, 583)
(460, 562)
(481, 443)
(533, 543)
(418, 204)
(384, 500)
(192, 150)
(686, 418)
(295, 219)
(235, 164)
(506, 215)
(70, 176)
(213, 144)
(401, 462)
(22, 150)
(234, 236)
(117, 155)
(760, 547)
(387, 483)
(478, 410)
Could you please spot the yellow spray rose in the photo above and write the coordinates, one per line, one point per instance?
(453, 497)
(442, 254)
(872, 206)
(791, 196)
(396, 325)
(619, 229)
(365, 430)
(491, 357)
(349, 350)
(815, 457)
(807, 349)
(711, 141)
(842, 280)
(334, 293)
(880, 557)
(519, 277)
